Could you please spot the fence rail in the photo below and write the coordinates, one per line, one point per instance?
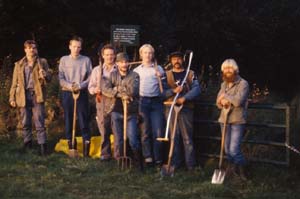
(285, 126)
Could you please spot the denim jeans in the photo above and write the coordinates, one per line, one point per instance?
(132, 134)
(233, 139)
(183, 136)
(82, 113)
(151, 111)
(37, 111)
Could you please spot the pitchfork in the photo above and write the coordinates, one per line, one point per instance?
(124, 162)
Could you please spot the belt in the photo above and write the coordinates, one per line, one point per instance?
(29, 90)
(155, 97)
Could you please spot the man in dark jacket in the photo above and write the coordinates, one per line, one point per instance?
(123, 85)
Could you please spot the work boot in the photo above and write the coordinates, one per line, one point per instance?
(43, 149)
(231, 169)
(86, 148)
(70, 144)
(26, 146)
(149, 162)
(138, 159)
(242, 173)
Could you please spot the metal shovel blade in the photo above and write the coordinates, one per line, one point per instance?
(167, 170)
(218, 177)
(73, 153)
(124, 163)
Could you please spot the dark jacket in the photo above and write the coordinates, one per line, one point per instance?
(116, 87)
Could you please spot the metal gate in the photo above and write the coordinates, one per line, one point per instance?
(271, 123)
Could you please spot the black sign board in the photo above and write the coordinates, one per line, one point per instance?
(127, 35)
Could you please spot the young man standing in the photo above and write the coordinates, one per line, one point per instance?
(123, 85)
(188, 92)
(233, 94)
(99, 74)
(74, 74)
(28, 92)
(150, 106)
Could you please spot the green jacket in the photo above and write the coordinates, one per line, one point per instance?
(17, 90)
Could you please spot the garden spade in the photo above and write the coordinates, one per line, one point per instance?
(124, 162)
(219, 174)
(73, 153)
(168, 170)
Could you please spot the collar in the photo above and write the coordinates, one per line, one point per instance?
(25, 61)
(76, 57)
(237, 80)
(104, 66)
(152, 65)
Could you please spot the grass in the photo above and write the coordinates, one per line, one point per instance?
(57, 176)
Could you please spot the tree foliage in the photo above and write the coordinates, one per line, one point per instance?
(261, 35)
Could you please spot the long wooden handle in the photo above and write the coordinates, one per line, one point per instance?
(177, 110)
(226, 111)
(222, 143)
(74, 123)
(124, 126)
(158, 78)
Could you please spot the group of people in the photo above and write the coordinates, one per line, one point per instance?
(147, 90)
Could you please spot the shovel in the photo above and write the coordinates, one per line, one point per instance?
(167, 169)
(219, 174)
(73, 153)
(124, 162)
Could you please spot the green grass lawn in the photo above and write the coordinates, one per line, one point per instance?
(57, 176)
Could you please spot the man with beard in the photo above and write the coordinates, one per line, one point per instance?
(124, 85)
(103, 105)
(188, 92)
(28, 92)
(233, 94)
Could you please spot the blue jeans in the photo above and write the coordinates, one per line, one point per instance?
(132, 134)
(82, 113)
(233, 139)
(183, 136)
(151, 111)
(37, 111)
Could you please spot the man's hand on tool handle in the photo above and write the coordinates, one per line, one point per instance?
(13, 104)
(178, 89)
(75, 87)
(180, 100)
